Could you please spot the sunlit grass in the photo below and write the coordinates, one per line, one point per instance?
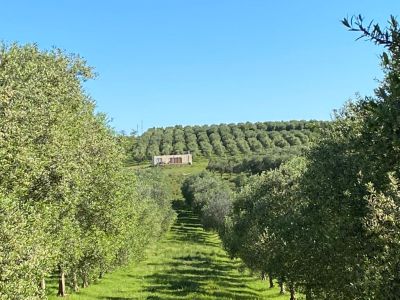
(188, 264)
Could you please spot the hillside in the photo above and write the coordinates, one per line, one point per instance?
(225, 139)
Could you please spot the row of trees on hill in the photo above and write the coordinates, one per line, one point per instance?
(254, 164)
(328, 224)
(67, 205)
(225, 139)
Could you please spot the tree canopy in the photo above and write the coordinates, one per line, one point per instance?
(67, 203)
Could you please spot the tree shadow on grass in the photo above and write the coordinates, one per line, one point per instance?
(116, 298)
(188, 228)
(199, 275)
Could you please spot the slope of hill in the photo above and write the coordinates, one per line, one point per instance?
(225, 139)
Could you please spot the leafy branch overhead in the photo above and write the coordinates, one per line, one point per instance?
(387, 37)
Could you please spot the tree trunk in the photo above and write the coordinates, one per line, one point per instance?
(61, 282)
(43, 284)
(308, 294)
(263, 276)
(85, 283)
(292, 292)
(271, 281)
(282, 287)
(75, 285)
(101, 275)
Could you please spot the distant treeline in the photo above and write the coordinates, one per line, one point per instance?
(225, 139)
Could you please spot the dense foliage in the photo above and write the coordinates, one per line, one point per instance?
(327, 224)
(260, 229)
(226, 139)
(210, 197)
(67, 204)
(255, 164)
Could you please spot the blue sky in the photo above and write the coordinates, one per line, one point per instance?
(170, 62)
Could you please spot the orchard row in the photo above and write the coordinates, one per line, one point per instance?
(67, 204)
(327, 223)
(225, 139)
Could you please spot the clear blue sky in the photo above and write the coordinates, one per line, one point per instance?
(170, 62)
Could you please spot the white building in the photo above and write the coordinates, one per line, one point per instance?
(177, 159)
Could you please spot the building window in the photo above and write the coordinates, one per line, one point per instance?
(175, 160)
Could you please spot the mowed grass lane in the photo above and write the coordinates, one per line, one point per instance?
(188, 264)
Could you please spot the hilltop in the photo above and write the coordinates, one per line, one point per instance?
(226, 140)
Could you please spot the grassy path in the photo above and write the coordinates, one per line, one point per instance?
(188, 264)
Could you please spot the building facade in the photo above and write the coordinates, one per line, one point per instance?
(177, 159)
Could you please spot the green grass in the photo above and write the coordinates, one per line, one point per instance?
(176, 173)
(186, 170)
(189, 263)
(197, 166)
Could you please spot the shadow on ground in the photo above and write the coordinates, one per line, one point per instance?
(202, 274)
